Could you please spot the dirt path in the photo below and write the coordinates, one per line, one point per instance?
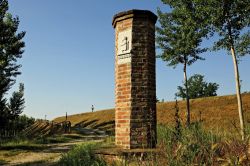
(48, 156)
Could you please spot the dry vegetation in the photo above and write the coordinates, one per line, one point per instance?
(104, 119)
(193, 145)
(216, 113)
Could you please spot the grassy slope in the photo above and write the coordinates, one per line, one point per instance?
(217, 113)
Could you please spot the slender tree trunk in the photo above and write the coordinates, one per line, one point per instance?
(237, 81)
(187, 95)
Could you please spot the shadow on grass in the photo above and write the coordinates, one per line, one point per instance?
(49, 149)
(23, 147)
(85, 123)
(38, 163)
(37, 130)
(112, 122)
(52, 140)
(73, 136)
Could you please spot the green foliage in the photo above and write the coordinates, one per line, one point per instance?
(11, 45)
(229, 19)
(242, 45)
(16, 104)
(82, 155)
(197, 87)
(19, 124)
(193, 147)
(12, 122)
(11, 49)
(23, 121)
(197, 146)
(20, 143)
(179, 37)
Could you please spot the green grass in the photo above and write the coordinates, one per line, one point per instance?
(195, 146)
(36, 143)
(82, 155)
(110, 140)
(25, 143)
(191, 145)
(21, 145)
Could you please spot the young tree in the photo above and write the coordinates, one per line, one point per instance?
(179, 37)
(230, 19)
(11, 46)
(198, 87)
(16, 103)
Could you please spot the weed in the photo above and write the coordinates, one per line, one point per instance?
(109, 140)
(186, 145)
(82, 155)
(177, 132)
(232, 152)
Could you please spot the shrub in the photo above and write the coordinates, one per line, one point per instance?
(200, 147)
(82, 155)
(193, 147)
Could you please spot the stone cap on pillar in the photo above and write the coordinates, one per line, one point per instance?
(133, 14)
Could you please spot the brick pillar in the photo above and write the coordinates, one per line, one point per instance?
(135, 90)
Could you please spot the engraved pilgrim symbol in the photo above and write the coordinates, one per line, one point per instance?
(125, 44)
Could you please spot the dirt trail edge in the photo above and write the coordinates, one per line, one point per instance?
(48, 156)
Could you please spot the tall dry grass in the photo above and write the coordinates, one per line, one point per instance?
(218, 114)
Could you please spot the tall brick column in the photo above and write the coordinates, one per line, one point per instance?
(135, 91)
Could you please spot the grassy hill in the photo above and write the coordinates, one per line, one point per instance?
(216, 113)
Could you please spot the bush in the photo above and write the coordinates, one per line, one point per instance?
(82, 155)
(197, 88)
(194, 146)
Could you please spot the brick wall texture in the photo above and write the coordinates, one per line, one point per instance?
(135, 87)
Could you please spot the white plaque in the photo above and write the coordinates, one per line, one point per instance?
(124, 46)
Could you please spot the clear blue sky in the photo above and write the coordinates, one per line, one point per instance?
(68, 63)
